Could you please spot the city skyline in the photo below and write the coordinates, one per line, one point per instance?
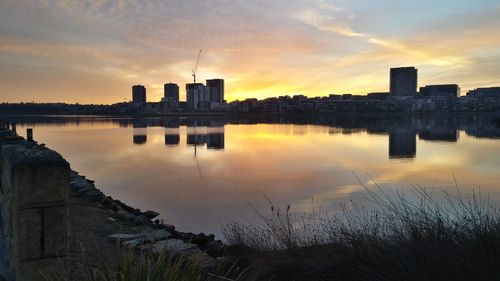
(92, 51)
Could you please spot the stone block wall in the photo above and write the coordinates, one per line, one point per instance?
(34, 208)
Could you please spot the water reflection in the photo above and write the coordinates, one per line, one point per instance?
(172, 137)
(402, 131)
(207, 133)
(293, 160)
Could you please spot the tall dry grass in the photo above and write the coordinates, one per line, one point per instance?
(453, 238)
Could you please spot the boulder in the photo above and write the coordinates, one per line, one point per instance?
(94, 195)
(151, 214)
(215, 248)
(159, 234)
(133, 242)
(123, 236)
(173, 246)
(80, 183)
(141, 219)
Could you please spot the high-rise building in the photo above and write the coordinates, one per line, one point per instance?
(216, 89)
(138, 95)
(171, 92)
(403, 82)
(447, 90)
(195, 94)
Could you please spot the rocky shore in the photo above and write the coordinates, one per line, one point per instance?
(100, 223)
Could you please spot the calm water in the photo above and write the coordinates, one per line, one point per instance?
(202, 173)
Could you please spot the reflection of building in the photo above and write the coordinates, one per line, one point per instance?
(140, 139)
(403, 82)
(402, 143)
(196, 139)
(172, 135)
(138, 95)
(213, 138)
(139, 127)
(448, 135)
(172, 139)
(215, 141)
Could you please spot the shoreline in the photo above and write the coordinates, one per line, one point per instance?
(115, 222)
(97, 223)
(266, 114)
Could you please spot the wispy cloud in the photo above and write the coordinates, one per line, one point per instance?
(262, 48)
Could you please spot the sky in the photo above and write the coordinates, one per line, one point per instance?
(93, 51)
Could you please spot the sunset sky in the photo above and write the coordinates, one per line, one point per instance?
(94, 51)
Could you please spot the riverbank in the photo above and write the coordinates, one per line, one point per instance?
(99, 222)
(56, 222)
(328, 249)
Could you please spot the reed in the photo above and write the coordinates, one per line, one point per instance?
(453, 238)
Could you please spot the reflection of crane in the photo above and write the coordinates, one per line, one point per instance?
(194, 157)
(196, 67)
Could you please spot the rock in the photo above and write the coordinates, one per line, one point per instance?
(200, 239)
(80, 184)
(159, 234)
(130, 217)
(168, 227)
(123, 236)
(172, 246)
(142, 220)
(151, 214)
(106, 204)
(122, 214)
(215, 248)
(114, 208)
(133, 243)
(126, 207)
(84, 191)
(94, 195)
(186, 236)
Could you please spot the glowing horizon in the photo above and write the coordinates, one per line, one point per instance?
(93, 51)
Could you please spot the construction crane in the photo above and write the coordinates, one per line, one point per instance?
(196, 141)
(196, 67)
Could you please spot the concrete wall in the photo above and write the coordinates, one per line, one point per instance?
(34, 208)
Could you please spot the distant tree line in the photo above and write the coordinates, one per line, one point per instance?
(63, 108)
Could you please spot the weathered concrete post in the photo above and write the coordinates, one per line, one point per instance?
(29, 134)
(35, 186)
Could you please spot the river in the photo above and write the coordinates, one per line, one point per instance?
(203, 173)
